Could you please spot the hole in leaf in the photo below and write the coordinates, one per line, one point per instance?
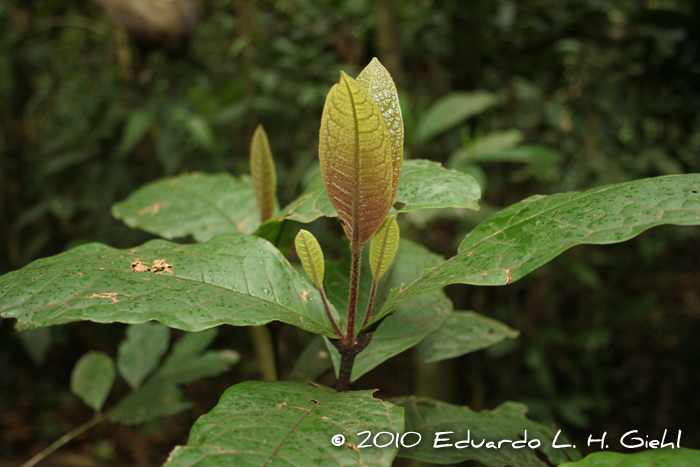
(399, 205)
(693, 191)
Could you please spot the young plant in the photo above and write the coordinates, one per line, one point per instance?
(238, 276)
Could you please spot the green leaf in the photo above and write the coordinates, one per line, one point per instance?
(197, 204)
(37, 343)
(500, 146)
(378, 83)
(262, 171)
(92, 378)
(450, 111)
(311, 256)
(526, 235)
(409, 324)
(506, 422)
(201, 132)
(667, 457)
(153, 400)
(233, 279)
(281, 423)
(137, 125)
(382, 250)
(424, 185)
(139, 354)
(428, 185)
(312, 363)
(187, 363)
(356, 159)
(461, 333)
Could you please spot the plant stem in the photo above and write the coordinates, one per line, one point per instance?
(66, 438)
(354, 292)
(328, 312)
(370, 305)
(348, 352)
(265, 351)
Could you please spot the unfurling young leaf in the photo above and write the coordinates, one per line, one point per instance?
(262, 171)
(92, 378)
(378, 83)
(311, 256)
(356, 159)
(382, 249)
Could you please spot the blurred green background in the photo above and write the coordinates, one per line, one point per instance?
(100, 97)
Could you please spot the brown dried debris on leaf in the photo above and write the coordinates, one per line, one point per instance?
(159, 266)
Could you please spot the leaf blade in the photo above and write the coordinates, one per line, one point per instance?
(382, 250)
(238, 430)
(424, 185)
(311, 256)
(507, 421)
(666, 457)
(510, 244)
(356, 159)
(140, 352)
(262, 171)
(209, 286)
(197, 204)
(92, 378)
(461, 333)
(378, 83)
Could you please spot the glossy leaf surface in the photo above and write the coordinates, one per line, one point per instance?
(232, 279)
(666, 457)
(526, 235)
(92, 378)
(378, 83)
(197, 204)
(409, 324)
(356, 159)
(383, 246)
(262, 171)
(424, 185)
(506, 422)
(311, 256)
(461, 333)
(288, 424)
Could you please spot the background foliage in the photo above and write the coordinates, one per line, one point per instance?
(571, 95)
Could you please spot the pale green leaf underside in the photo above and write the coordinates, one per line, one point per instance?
(197, 204)
(383, 246)
(512, 243)
(507, 421)
(233, 279)
(409, 324)
(461, 333)
(378, 83)
(262, 171)
(355, 153)
(92, 378)
(311, 256)
(424, 184)
(666, 457)
(286, 424)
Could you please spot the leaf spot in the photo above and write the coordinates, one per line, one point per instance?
(152, 209)
(109, 295)
(304, 294)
